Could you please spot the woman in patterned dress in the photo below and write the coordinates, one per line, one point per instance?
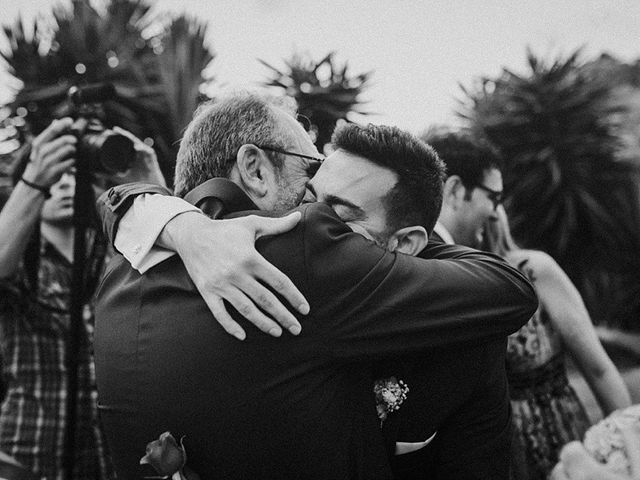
(547, 413)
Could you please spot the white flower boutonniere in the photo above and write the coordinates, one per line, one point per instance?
(390, 393)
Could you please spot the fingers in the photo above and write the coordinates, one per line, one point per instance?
(270, 304)
(219, 311)
(137, 142)
(58, 149)
(126, 133)
(50, 156)
(52, 131)
(281, 284)
(146, 167)
(230, 268)
(248, 310)
(273, 226)
(269, 274)
(62, 167)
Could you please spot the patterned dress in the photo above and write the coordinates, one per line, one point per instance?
(33, 339)
(546, 411)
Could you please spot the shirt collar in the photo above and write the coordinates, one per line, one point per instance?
(444, 233)
(219, 196)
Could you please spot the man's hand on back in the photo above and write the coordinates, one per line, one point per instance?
(222, 261)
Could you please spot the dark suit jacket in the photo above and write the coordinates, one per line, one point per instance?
(461, 393)
(289, 407)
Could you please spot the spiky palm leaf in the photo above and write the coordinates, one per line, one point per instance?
(180, 66)
(87, 46)
(568, 192)
(325, 91)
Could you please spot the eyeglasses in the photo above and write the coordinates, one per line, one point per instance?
(494, 195)
(284, 152)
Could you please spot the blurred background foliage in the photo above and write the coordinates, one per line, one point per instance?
(155, 62)
(572, 170)
(325, 91)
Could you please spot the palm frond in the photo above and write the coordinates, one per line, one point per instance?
(569, 192)
(157, 76)
(325, 91)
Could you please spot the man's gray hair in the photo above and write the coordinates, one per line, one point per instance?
(219, 128)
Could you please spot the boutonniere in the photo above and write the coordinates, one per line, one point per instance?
(390, 393)
(168, 458)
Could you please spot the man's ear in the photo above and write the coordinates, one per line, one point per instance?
(252, 170)
(454, 191)
(408, 240)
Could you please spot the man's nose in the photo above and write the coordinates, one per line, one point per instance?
(67, 181)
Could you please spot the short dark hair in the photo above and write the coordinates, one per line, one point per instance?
(416, 198)
(219, 128)
(468, 158)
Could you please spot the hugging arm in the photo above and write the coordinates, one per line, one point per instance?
(454, 295)
(219, 255)
(382, 303)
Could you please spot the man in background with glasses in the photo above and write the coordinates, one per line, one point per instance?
(472, 191)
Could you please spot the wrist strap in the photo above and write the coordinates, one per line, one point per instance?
(35, 186)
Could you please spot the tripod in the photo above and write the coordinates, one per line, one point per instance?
(82, 208)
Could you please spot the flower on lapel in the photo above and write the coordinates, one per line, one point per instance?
(390, 393)
(166, 456)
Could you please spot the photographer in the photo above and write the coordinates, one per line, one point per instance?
(36, 257)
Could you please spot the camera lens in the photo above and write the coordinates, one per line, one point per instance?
(117, 153)
(111, 152)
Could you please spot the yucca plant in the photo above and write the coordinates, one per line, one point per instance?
(568, 193)
(155, 65)
(325, 91)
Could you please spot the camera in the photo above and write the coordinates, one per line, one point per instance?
(106, 151)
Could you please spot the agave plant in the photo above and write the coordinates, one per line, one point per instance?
(325, 92)
(156, 67)
(568, 192)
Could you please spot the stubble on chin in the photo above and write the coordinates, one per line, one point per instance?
(288, 198)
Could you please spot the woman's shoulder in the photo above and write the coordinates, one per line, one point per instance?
(536, 261)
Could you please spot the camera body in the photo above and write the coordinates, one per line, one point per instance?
(104, 150)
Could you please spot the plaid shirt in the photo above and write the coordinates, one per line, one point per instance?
(34, 332)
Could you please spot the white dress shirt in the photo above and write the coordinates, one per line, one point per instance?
(444, 233)
(141, 226)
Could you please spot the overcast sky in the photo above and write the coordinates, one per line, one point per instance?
(420, 50)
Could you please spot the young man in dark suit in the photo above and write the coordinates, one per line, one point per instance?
(298, 406)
